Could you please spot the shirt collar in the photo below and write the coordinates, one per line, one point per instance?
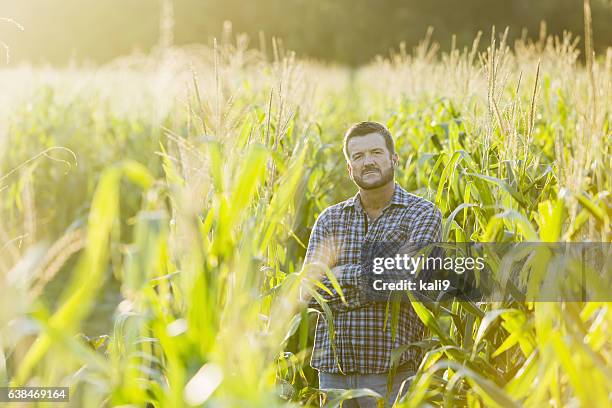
(400, 197)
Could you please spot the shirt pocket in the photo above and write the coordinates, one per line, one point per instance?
(388, 243)
(396, 235)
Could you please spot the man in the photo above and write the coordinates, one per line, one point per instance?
(380, 211)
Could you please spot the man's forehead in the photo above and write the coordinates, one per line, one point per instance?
(368, 141)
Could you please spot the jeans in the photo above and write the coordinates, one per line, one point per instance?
(375, 382)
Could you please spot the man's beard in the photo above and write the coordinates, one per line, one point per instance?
(385, 177)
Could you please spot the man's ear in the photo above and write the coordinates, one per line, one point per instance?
(395, 159)
(349, 169)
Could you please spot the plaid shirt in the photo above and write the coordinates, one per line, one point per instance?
(363, 340)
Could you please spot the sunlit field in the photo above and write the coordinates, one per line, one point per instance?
(154, 214)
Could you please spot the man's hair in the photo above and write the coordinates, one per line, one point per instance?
(365, 128)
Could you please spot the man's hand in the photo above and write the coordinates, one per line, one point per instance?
(316, 271)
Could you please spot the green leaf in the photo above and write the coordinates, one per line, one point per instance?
(503, 185)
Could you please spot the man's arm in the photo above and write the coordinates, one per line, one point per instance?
(321, 251)
(425, 229)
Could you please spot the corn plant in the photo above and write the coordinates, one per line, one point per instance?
(154, 221)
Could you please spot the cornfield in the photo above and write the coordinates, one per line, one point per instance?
(155, 212)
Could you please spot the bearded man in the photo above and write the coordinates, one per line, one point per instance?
(380, 211)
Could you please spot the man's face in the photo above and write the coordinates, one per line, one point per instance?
(370, 163)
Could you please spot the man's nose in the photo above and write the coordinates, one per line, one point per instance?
(368, 160)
